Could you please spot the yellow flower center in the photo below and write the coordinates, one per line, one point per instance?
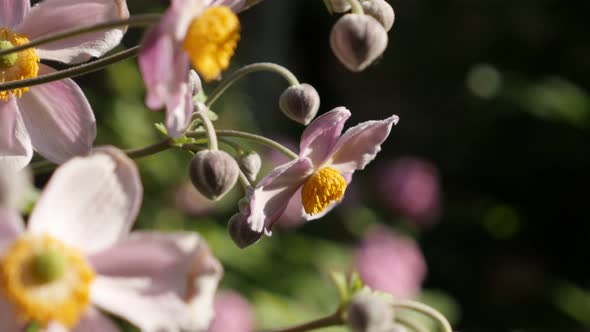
(45, 280)
(211, 40)
(16, 66)
(323, 187)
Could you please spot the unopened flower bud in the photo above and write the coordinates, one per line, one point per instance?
(240, 232)
(358, 40)
(368, 312)
(338, 6)
(213, 173)
(300, 103)
(381, 11)
(250, 164)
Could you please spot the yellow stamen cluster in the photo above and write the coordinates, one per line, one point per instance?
(45, 280)
(25, 65)
(325, 186)
(211, 40)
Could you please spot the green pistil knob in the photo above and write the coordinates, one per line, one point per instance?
(7, 60)
(48, 266)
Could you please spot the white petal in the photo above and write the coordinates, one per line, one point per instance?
(90, 202)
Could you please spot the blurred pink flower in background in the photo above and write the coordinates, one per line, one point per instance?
(390, 262)
(190, 201)
(411, 188)
(232, 313)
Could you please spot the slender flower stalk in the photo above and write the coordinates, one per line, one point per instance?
(334, 319)
(426, 310)
(357, 8)
(251, 137)
(201, 113)
(72, 71)
(137, 20)
(248, 69)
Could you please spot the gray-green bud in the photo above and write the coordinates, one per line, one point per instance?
(300, 103)
(213, 173)
(250, 164)
(381, 11)
(368, 312)
(240, 232)
(358, 40)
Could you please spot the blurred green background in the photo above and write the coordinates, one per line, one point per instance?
(491, 94)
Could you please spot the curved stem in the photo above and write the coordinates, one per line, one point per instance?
(426, 310)
(137, 20)
(235, 76)
(357, 8)
(251, 137)
(334, 319)
(415, 326)
(149, 150)
(209, 129)
(72, 71)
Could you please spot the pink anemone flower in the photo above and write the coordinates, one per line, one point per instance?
(77, 258)
(165, 58)
(323, 169)
(54, 119)
(390, 262)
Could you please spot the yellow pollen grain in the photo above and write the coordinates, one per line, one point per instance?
(211, 40)
(323, 187)
(60, 300)
(26, 66)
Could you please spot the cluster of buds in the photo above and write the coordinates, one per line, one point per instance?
(360, 37)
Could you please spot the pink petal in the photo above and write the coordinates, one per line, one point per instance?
(269, 199)
(11, 226)
(8, 321)
(12, 12)
(94, 321)
(159, 282)
(179, 108)
(322, 133)
(53, 16)
(13, 185)
(164, 67)
(90, 202)
(360, 144)
(16, 150)
(235, 5)
(58, 118)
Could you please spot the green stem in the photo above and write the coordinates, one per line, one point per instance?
(426, 310)
(209, 129)
(73, 71)
(137, 20)
(255, 67)
(357, 8)
(334, 319)
(251, 137)
(149, 150)
(413, 325)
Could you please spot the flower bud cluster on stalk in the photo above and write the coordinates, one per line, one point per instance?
(76, 262)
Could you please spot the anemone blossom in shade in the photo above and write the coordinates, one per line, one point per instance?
(390, 262)
(322, 171)
(184, 36)
(410, 187)
(232, 313)
(77, 258)
(54, 119)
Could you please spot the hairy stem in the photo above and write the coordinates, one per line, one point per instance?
(426, 310)
(334, 319)
(251, 137)
(137, 20)
(72, 71)
(357, 8)
(255, 67)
